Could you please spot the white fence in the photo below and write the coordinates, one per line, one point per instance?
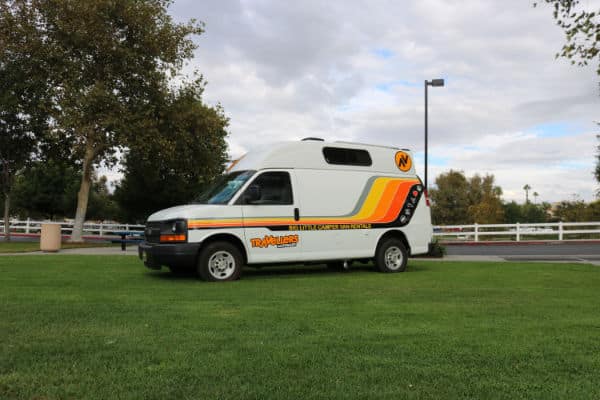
(30, 227)
(518, 232)
(475, 232)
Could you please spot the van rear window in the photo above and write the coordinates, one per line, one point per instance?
(341, 156)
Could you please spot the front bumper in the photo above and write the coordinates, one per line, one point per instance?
(181, 255)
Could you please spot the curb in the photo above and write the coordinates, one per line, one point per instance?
(521, 242)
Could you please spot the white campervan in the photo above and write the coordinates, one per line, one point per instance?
(298, 202)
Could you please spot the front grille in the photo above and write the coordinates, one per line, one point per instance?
(152, 231)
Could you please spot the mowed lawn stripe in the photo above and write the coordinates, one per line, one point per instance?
(104, 327)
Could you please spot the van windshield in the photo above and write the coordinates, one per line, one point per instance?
(224, 188)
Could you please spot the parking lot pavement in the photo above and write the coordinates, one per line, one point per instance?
(130, 251)
(465, 258)
(583, 258)
(585, 251)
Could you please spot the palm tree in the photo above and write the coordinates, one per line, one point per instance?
(535, 196)
(526, 188)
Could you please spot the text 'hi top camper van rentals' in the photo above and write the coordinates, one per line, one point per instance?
(298, 202)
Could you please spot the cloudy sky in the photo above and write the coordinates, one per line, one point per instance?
(354, 70)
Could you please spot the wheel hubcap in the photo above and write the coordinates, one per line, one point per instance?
(393, 258)
(221, 265)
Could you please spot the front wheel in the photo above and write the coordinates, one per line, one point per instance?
(391, 256)
(220, 262)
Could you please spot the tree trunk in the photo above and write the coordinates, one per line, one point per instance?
(6, 217)
(84, 193)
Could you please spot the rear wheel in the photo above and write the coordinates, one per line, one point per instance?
(220, 262)
(391, 256)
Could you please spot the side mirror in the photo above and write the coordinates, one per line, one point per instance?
(252, 194)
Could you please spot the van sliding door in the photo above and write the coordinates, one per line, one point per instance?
(331, 203)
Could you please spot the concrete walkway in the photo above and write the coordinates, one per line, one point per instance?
(113, 251)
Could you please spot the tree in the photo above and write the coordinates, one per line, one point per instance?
(450, 199)
(532, 213)
(108, 60)
(526, 188)
(535, 196)
(458, 200)
(594, 211)
(102, 205)
(47, 189)
(23, 89)
(486, 204)
(512, 213)
(572, 211)
(525, 213)
(582, 31)
(189, 152)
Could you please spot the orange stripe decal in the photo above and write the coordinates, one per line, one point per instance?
(382, 204)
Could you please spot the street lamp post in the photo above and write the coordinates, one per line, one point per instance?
(435, 83)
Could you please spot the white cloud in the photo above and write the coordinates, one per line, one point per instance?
(355, 71)
(555, 167)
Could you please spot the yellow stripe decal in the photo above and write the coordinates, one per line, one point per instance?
(381, 205)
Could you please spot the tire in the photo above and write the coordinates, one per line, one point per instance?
(391, 256)
(220, 262)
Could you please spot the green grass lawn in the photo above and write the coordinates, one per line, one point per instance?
(25, 247)
(92, 327)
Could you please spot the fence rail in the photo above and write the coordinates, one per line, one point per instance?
(518, 232)
(475, 232)
(31, 227)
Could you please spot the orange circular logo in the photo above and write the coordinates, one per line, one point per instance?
(403, 161)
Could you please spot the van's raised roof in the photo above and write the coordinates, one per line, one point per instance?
(369, 145)
(308, 154)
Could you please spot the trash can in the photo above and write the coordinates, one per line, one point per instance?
(50, 239)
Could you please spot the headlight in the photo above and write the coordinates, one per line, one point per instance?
(174, 232)
(179, 226)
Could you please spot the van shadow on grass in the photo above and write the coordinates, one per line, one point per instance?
(319, 269)
(316, 269)
(263, 272)
(280, 271)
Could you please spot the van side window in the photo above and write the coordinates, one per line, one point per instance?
(269, 188)
(341, 156)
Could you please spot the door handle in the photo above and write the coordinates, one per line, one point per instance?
(296, 214)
